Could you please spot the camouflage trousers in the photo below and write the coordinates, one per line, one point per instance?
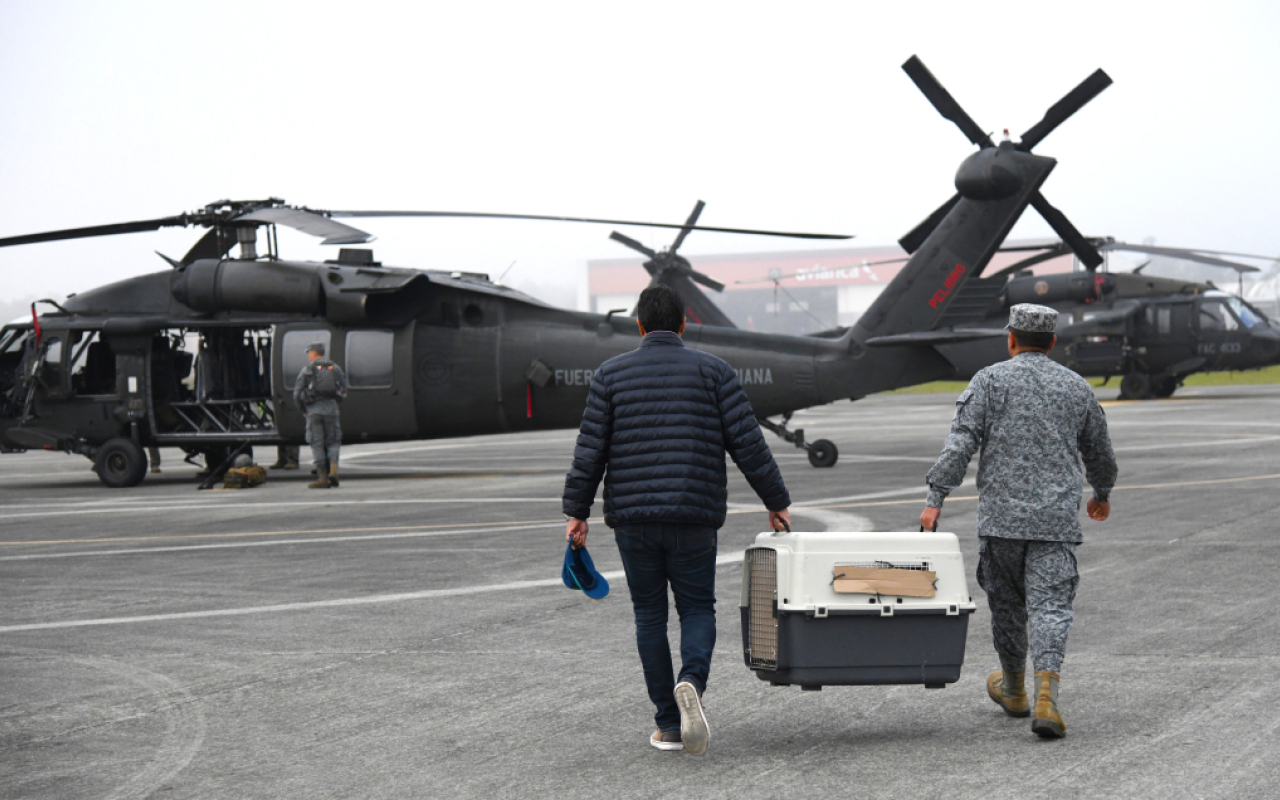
(324, 434)
(1030, 585)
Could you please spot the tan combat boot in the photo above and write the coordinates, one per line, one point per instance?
(1047, 722)
(322, 478)
(1008, 692)
(333, 474)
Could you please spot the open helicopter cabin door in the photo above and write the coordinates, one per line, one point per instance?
(379, 367)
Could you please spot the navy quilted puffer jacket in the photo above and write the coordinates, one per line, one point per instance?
(660, 419)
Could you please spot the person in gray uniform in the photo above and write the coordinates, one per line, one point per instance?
(320, 387)
(1034, 421)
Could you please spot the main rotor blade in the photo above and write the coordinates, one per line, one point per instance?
(944, 102)
(308, 222)
(484, 215)
(689, 223)
(1188, 255)
(1074, 100)
(1082, 247)
(705, 280)
(633, 244)
(898, 260)
(97, 230)
(1031, 261)
(912, 241)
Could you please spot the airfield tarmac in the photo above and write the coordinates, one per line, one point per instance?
(407, 635)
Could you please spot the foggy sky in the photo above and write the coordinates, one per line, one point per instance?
(793, 118)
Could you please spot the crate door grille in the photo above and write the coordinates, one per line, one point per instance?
(762, 589)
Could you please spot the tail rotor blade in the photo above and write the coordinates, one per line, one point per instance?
(1082, 247)
(710, 283)
(912, 241)
(688, 226)
(633, 244)
(1074, 100)
(944, 102)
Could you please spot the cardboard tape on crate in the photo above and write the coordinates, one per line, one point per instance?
(885, 580)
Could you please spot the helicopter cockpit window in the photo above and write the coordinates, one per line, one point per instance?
(370, 359)
(294, 353)
(1249, 317)
(1214, 316)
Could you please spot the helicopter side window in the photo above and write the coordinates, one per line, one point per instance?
(370, 359)
(1214, 316)
(93, 366)
(293, 353)
(1164, 320)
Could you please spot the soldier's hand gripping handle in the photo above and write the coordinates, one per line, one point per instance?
(929, 518)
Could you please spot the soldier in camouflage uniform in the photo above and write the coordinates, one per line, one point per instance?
(1034, 420)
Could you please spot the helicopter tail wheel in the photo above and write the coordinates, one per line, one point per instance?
(121, 463)
(823, 453)
(1135, 386)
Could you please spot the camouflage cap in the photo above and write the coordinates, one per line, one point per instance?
(318, 347)
(1031, 318)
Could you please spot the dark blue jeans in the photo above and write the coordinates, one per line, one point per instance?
(684, 556)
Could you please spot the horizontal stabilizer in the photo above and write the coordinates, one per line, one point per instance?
(931, 338)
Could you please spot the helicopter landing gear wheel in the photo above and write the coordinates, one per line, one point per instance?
(1164, 387)
(121, 463)
(1135, 386)
(823, 453)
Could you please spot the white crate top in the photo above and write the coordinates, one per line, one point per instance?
(807, 562)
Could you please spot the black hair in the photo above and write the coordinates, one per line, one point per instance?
(1040, 340)
(660, 309)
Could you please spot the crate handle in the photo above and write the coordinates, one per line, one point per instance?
(787, 528)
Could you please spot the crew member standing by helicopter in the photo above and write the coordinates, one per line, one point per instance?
(1033, 420)
(321, 385)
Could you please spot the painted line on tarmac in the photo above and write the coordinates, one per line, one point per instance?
(313, 503)
(416, 534)
(1209, 443)
(188, 537)
(429, 594)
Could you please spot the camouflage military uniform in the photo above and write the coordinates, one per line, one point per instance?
(1030, 417)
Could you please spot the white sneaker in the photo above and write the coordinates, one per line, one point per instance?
(694, 732)
(666, 740)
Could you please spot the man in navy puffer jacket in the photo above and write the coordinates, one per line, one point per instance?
(658, 423)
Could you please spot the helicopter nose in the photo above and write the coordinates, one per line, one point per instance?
(1266, 343)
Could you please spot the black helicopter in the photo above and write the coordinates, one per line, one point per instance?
(1151, 331)
(203, 356)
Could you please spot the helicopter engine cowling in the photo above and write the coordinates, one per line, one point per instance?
(1070, 287)
(209, 285)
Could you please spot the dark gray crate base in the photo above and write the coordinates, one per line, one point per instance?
(867, 649)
